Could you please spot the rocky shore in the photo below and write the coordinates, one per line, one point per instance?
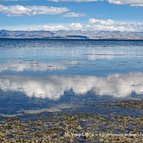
(75, 128)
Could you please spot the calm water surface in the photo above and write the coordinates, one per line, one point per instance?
(68, 75)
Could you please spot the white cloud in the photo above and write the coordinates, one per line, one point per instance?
(117, 85)
(111, 25)
(127, 2)
(19, 10)
(75, 26)
(49, 27)
(92, 24)
(118, 2)
(74, 14)
(103, 22)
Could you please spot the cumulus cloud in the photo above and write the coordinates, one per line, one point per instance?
(92, 24)
(19, 10)
(76, 26)
(36, 66)
(118, 2)
(117, 85)
(103, 22)
(111, 25)
(127, 2)
(48, 27)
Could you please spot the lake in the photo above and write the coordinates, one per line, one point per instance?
(68, 76)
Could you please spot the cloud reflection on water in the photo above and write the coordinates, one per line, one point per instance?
(36, 66)
(116, 85)
(53, 109)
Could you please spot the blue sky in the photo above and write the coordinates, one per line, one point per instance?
(122, 15)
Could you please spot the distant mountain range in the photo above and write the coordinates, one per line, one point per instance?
(75, 34)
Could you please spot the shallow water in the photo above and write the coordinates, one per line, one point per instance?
(69, 75)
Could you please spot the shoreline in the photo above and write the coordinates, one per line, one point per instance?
(76, 127)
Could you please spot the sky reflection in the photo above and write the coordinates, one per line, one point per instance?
(116, 85)
(36, 66)
(40, 74)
